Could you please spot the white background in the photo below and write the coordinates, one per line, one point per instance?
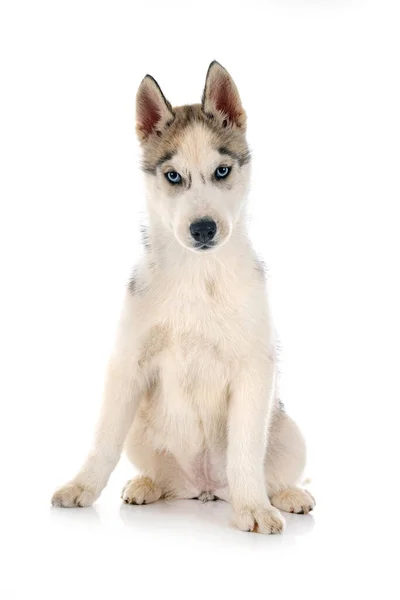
(320, 83)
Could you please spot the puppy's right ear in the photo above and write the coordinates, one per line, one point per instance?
(153, 111)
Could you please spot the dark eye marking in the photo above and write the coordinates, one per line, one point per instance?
(242, 159)
(151, 169)
(173, 177)
(222, 172)
(167, 156)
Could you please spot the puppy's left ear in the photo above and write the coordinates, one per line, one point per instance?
(221, 97)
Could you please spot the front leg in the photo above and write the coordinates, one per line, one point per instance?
(125, 384)
(249, 413)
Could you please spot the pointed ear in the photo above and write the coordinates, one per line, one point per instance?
(153, 111)
(221, 97)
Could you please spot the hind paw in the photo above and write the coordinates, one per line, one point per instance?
(294, 500)
(141, 490)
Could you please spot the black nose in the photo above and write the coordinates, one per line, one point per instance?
(203, 231)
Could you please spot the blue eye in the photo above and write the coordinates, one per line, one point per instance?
(222, 172)
(173, 177)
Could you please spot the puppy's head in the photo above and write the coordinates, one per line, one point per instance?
(196, 159)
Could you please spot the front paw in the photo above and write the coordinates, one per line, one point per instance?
(264, 519)
(73, 494)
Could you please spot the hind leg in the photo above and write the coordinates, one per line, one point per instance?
(161, 477)
(284, 466)
(160, 474)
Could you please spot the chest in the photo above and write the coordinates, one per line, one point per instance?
(196, 328)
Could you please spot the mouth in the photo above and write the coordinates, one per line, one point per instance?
(203, 247)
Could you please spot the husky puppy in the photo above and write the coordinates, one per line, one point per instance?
(190, 392)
